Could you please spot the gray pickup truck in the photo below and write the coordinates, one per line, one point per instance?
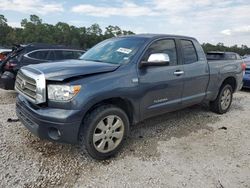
(118, 83)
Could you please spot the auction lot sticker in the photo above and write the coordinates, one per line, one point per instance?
(124, 50)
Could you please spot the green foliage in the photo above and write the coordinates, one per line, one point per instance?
(34, 30)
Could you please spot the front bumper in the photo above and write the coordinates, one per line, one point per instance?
(47, 123)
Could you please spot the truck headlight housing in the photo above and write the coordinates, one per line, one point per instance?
(62, 92)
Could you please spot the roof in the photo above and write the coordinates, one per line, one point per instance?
(148, 35)
(43, 45)
(35, 46)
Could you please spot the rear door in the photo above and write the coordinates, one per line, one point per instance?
(160, 85)
(196, 72)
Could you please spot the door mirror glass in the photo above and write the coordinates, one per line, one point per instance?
(157, 59)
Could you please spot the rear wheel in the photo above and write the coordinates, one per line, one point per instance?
(103, 131)
(223, 101)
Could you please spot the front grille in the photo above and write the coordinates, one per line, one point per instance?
(26, 85)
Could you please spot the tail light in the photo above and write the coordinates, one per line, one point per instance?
(243, 66)
(2, 56)
(10, 65)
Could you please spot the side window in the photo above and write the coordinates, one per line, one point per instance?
(189, 52)
(200, 52)
(77, 54)
(238, 57)
(51, 55)
(58, 55)
(42, 55)
(166, 46)
(63, 54)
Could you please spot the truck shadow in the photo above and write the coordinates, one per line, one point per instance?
(145, 136)
(245, 90)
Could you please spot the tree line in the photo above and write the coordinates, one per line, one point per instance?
(34, 30)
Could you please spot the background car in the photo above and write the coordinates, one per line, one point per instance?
(23, 55)
(246, 79)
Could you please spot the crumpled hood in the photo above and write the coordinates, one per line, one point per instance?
(61, 70)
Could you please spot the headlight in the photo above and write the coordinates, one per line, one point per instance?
(62, 92)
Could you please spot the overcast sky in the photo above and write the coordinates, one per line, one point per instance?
(213, 21)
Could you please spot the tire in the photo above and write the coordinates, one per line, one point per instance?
(223, 101)
(103, 132)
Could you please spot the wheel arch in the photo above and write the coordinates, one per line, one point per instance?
(123, 103)
(231, 81)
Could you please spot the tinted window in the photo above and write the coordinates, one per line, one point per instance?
(200, 51)
(77, 54)
(51, 55)
(215, 56)
(221, 56)
(39, 54)
(66, 54)
(166, 46)
(230, 57)
(189, 52)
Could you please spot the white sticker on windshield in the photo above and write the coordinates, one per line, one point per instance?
(124, 50)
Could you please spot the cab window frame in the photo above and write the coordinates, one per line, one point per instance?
(160, 39)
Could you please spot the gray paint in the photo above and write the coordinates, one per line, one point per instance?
(157, 90)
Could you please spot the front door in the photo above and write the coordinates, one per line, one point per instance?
(161, 86)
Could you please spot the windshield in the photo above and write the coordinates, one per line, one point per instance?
(115, 51)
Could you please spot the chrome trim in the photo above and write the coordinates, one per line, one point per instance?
(158, 57)
(40, 86)
(178, 73)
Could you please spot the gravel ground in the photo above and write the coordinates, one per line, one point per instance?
(188, 148)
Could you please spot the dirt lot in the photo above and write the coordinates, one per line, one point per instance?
(188, 148)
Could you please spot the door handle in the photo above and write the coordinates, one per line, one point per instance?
(178, 73)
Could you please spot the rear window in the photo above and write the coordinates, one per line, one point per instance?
(230, 57)
(189, 52)
(221, 56)
(211, 56)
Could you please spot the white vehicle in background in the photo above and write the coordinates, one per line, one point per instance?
(5, 50)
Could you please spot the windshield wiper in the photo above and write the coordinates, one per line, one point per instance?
(97, 60)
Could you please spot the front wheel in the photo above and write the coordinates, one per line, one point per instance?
(223, 101)
(103, 131)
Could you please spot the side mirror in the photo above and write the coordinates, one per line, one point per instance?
(157, 59)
